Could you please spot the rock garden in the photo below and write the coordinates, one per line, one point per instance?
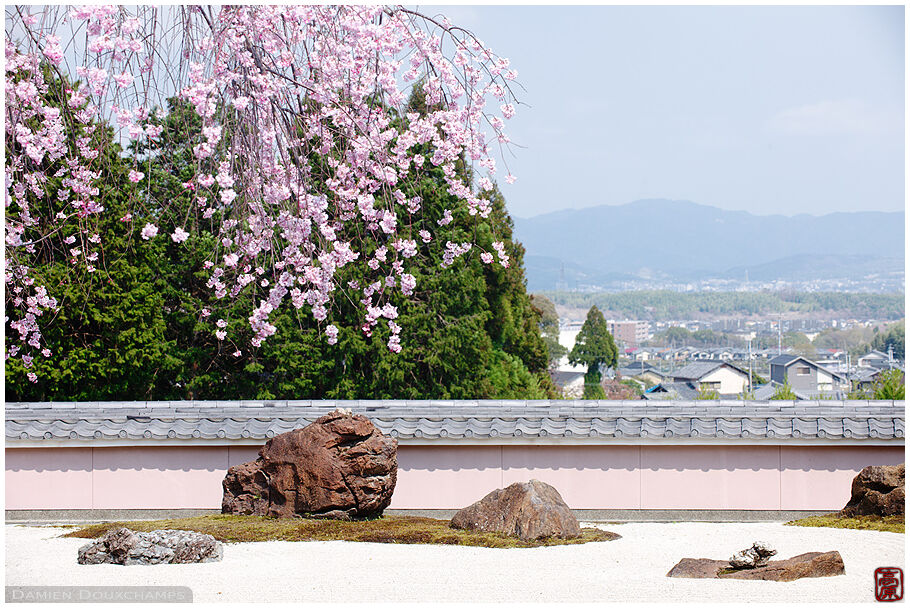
(333, 479)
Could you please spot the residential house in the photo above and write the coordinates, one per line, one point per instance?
(876, 359)
(642, 371)
(805, 375)
(671, 390)
(863, 378)
(719, 376)
(570, 383)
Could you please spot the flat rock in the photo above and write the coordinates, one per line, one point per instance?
(338, 467)
(128, 548)
(529, 510)
(877, 490)
(806, 565)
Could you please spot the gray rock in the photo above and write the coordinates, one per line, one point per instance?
(753, 557)
(126, 547)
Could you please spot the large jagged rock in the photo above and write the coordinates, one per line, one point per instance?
(877, 490)
(529, 510)
(338, 467)
(126, 547)
(806, 565)
(753, 557)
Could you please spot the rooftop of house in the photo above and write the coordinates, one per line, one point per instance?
(637, 367)
(696, 371)
(865, 374)
(788, 360)
(678, 390)
(561, 378)
(784, 359)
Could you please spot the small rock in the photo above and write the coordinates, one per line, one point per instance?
(530, 511)
(126, 547)
(756, 555)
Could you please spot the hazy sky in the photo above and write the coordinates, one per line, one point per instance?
(765, 109)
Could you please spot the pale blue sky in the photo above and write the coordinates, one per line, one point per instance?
(765, 109)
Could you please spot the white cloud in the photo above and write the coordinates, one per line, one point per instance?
(840, 117)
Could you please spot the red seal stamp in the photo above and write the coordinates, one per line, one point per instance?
(889, 584)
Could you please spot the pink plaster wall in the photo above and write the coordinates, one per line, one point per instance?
(587, 476)
(431, 477)
(823, 475)
(49, 479)
(158, 478)
(710, 477)
(447, 477)
(238, 454)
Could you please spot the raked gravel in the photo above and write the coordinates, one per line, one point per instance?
(630, 569)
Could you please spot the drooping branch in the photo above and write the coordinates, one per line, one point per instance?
(304, 155)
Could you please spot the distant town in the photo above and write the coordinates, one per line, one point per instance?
(739, 358)
(889, 282)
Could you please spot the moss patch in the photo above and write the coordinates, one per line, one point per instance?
(390, 529)
(892, 523)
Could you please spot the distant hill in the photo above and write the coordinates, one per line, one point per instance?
(817, 266)
(681, 240)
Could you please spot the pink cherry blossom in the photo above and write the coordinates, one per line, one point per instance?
(123, 80)
(296, 92)
(149, 231)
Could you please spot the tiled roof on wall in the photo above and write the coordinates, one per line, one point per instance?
(447, 420)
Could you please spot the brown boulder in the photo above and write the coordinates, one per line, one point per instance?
(877, 490)
(806, 565)
(529, 510)
(340, 467)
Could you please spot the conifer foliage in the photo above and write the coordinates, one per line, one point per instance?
(301, 166)
(595, 348)
(473, 332)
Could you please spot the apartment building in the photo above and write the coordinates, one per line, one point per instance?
(630, 333)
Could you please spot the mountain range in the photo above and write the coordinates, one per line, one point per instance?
(667, 240)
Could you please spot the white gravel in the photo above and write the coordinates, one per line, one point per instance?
(630, 569)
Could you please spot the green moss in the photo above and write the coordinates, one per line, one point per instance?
(893, 523)
(390, 529)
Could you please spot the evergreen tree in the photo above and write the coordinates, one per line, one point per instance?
(893, 339)
(890, 385)
(594, 347)
(109, 336)
(784, 392)
(470, 329)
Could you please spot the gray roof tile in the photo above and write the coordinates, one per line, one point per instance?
(259, 420)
